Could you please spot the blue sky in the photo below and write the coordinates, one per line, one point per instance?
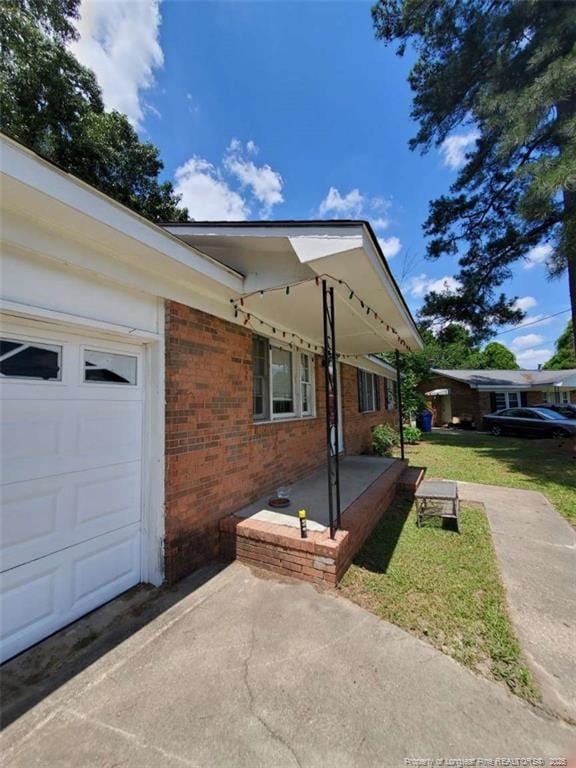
(292, 110)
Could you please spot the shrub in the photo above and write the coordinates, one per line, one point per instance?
(412, 435)
(384, 438)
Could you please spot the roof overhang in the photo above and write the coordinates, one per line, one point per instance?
(370, 314)
(42, 204)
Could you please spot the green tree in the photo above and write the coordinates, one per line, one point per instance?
(53, 104)
(496, 356)
(565, 356)
(508, 69)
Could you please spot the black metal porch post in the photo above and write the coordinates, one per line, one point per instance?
(400, 412)
(330, 374)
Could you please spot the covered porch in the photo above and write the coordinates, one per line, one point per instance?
(322, 288)
(271, 539)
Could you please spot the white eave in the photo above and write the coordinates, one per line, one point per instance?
(39, 199)
(273, 255)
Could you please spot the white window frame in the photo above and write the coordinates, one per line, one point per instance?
(57, 348)
(374, 385)
(86, 349)
(304, 356)
(507, 402)
(298, 412)
(556, 397)
(390, 395)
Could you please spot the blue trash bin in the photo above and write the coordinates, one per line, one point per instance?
(426, 417)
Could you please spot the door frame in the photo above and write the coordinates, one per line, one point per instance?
(34, 323)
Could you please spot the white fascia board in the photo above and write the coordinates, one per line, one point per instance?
(370, 364)
(26, 167)
(288, 230)
(386, 278)
(504, 387)
(383, 364)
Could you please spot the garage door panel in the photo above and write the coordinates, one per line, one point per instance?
(42, 516)
(73, 437)
(108, 432)
(71, 474)
(112, 559)
(39, 597)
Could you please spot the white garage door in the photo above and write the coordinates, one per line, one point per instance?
(71, 445)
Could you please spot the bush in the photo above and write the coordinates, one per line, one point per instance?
(412, 435)
(384, 438)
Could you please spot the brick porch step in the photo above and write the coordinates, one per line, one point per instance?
(411, 479)
(317, 558)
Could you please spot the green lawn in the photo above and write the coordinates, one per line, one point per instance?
(444, 587)
(538, 465)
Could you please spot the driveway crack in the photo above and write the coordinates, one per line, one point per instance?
(252, 699)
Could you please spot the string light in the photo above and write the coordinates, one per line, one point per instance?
(286, 288)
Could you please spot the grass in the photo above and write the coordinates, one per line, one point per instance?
(444, 587)
(538, 465)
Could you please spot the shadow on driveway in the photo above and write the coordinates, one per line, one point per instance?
(35, 673)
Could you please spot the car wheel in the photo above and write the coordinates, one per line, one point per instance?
(496, 430)
(558, 434)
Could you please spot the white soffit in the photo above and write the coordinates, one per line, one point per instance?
(271, 256)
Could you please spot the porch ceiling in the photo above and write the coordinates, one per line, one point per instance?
(273, 255)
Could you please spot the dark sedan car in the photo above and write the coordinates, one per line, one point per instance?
(542, 422)
(568, 410)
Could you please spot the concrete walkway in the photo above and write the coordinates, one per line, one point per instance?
(536, 549)
(249, 672)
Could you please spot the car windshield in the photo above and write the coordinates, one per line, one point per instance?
(548, 413)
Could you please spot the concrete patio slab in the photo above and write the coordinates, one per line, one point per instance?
(536, 549)
(246, 671)
(357, 473)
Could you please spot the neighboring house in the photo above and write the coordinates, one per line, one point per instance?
(465, 396)
(156, 379)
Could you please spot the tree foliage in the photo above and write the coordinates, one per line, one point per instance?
(454, 348)
(565, 357)
(507, 69)
(53, 104)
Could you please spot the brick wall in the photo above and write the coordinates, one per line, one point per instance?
(358, 426)
(217, 459)
(466, 402)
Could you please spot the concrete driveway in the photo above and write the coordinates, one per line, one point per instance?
(238, 670)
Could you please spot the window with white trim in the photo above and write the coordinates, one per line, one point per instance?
(283, 381)
(305, 384)
(506, 400)
(557, 396)
(368, 392)
(390, 395)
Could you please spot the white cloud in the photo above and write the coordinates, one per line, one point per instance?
(380, 223)
(264, 183)
(347, 206)
(206, 195)
(229, 190)
(525, 302)
(454, 148)
(420, 285)
(390, 246)
(528, 340)
(533, 357)
(119, 42)
(538, 255)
